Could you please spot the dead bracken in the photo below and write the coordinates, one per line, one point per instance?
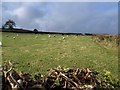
(56, 79)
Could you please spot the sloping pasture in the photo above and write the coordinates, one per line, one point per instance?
(36, 53)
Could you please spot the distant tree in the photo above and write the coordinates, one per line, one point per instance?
(9, 24)
(35, 30)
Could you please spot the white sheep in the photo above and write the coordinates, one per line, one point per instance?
(63, 38)
(49, 35)
(14, 37)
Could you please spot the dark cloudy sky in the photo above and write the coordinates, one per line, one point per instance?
(90, 17)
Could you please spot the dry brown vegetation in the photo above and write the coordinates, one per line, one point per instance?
(56, 79)
(107, 39)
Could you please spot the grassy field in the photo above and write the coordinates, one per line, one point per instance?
(36, 53)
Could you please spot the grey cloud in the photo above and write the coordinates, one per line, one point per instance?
(77, 18)
(65, 17)
(25, 14)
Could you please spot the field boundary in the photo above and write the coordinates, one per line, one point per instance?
(35, 31)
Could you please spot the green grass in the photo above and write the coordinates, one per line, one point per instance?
(37, 53)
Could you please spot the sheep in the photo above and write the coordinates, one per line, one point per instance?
(63, 38)
(14, 37)
(49, 35)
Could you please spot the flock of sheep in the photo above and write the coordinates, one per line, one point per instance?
(49, 35)
(54, 36)
(15, 36)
